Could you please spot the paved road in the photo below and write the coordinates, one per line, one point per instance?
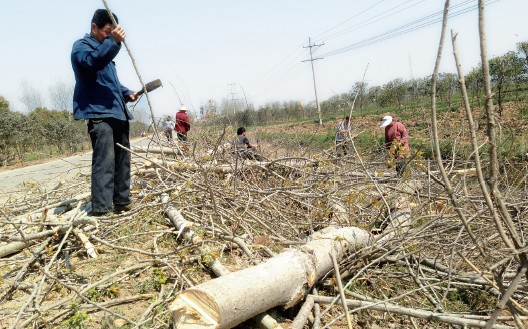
(49, 174)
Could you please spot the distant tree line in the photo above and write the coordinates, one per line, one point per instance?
(43, 133)
(509, 78)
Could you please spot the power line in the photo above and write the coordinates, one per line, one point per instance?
(276, 76)
(280, 81)
(281, 74)
(288, 73)
(348, 19)
(435, 16)
(406, 28)
(376, 18)
(289, 68)
(278, 68)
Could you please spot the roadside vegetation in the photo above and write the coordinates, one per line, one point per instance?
(43, 134)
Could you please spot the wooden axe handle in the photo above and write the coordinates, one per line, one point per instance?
(150, 86)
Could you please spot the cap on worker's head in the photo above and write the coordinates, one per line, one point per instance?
(101, 18)
(386, 121)
(183, 108)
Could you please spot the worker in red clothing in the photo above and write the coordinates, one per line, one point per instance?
(183, 124)
(396, 141)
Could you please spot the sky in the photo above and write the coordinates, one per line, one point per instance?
(250, 50)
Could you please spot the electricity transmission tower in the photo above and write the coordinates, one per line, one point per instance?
(245, 97)
(311, 60)
(233, 94)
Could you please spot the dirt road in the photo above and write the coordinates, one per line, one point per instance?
(48, 175)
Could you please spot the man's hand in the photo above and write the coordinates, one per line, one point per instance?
(119, 34)
(132, 97)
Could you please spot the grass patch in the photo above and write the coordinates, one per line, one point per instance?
(76, 321)
(289, 140)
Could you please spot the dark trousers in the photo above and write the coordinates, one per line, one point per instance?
(400, 167)
(168, 134)
(182, 136)
(250, 154)
(341, 148)
(110, 164)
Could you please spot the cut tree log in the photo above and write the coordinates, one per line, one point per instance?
(156, 150)
(218, 268)
(231, 299)
(184, 166)
(14, 247)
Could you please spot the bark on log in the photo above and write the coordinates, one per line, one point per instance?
(156, 150)
(229, 300)
(302, 316)
(14, 247)
(184, 166)
(175, 216)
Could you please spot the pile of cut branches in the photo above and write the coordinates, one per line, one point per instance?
(215, 241)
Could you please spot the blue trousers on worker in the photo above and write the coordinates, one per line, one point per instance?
(110, 164)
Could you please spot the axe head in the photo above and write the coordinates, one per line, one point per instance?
(150, 86)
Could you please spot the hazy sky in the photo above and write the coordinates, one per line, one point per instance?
(227, 49)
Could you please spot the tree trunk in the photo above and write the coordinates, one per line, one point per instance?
(229, 300)
(156, 150)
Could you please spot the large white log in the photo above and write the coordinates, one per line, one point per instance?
(156, 150)
(215, 265)
(231, 299)
(214, 167)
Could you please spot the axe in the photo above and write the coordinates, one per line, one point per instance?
(150, 86)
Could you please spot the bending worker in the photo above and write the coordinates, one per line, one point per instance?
(396, 141)
(342, 137)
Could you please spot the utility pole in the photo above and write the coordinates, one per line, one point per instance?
(313, 75)
(233, 94)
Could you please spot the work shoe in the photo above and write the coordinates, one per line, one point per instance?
(119, 208)
(101, 213)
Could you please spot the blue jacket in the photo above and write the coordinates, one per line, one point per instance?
(98, 92)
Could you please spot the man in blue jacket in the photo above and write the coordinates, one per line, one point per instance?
(101, 99)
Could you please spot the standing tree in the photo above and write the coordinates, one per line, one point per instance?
(474, 83)
(15, 134)
(522, 48)
(393, 92)
(61, 96)
(373, 96)
(30, 96)
(4, 104)
(446, 87)
(504, 71)
(360, 89)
